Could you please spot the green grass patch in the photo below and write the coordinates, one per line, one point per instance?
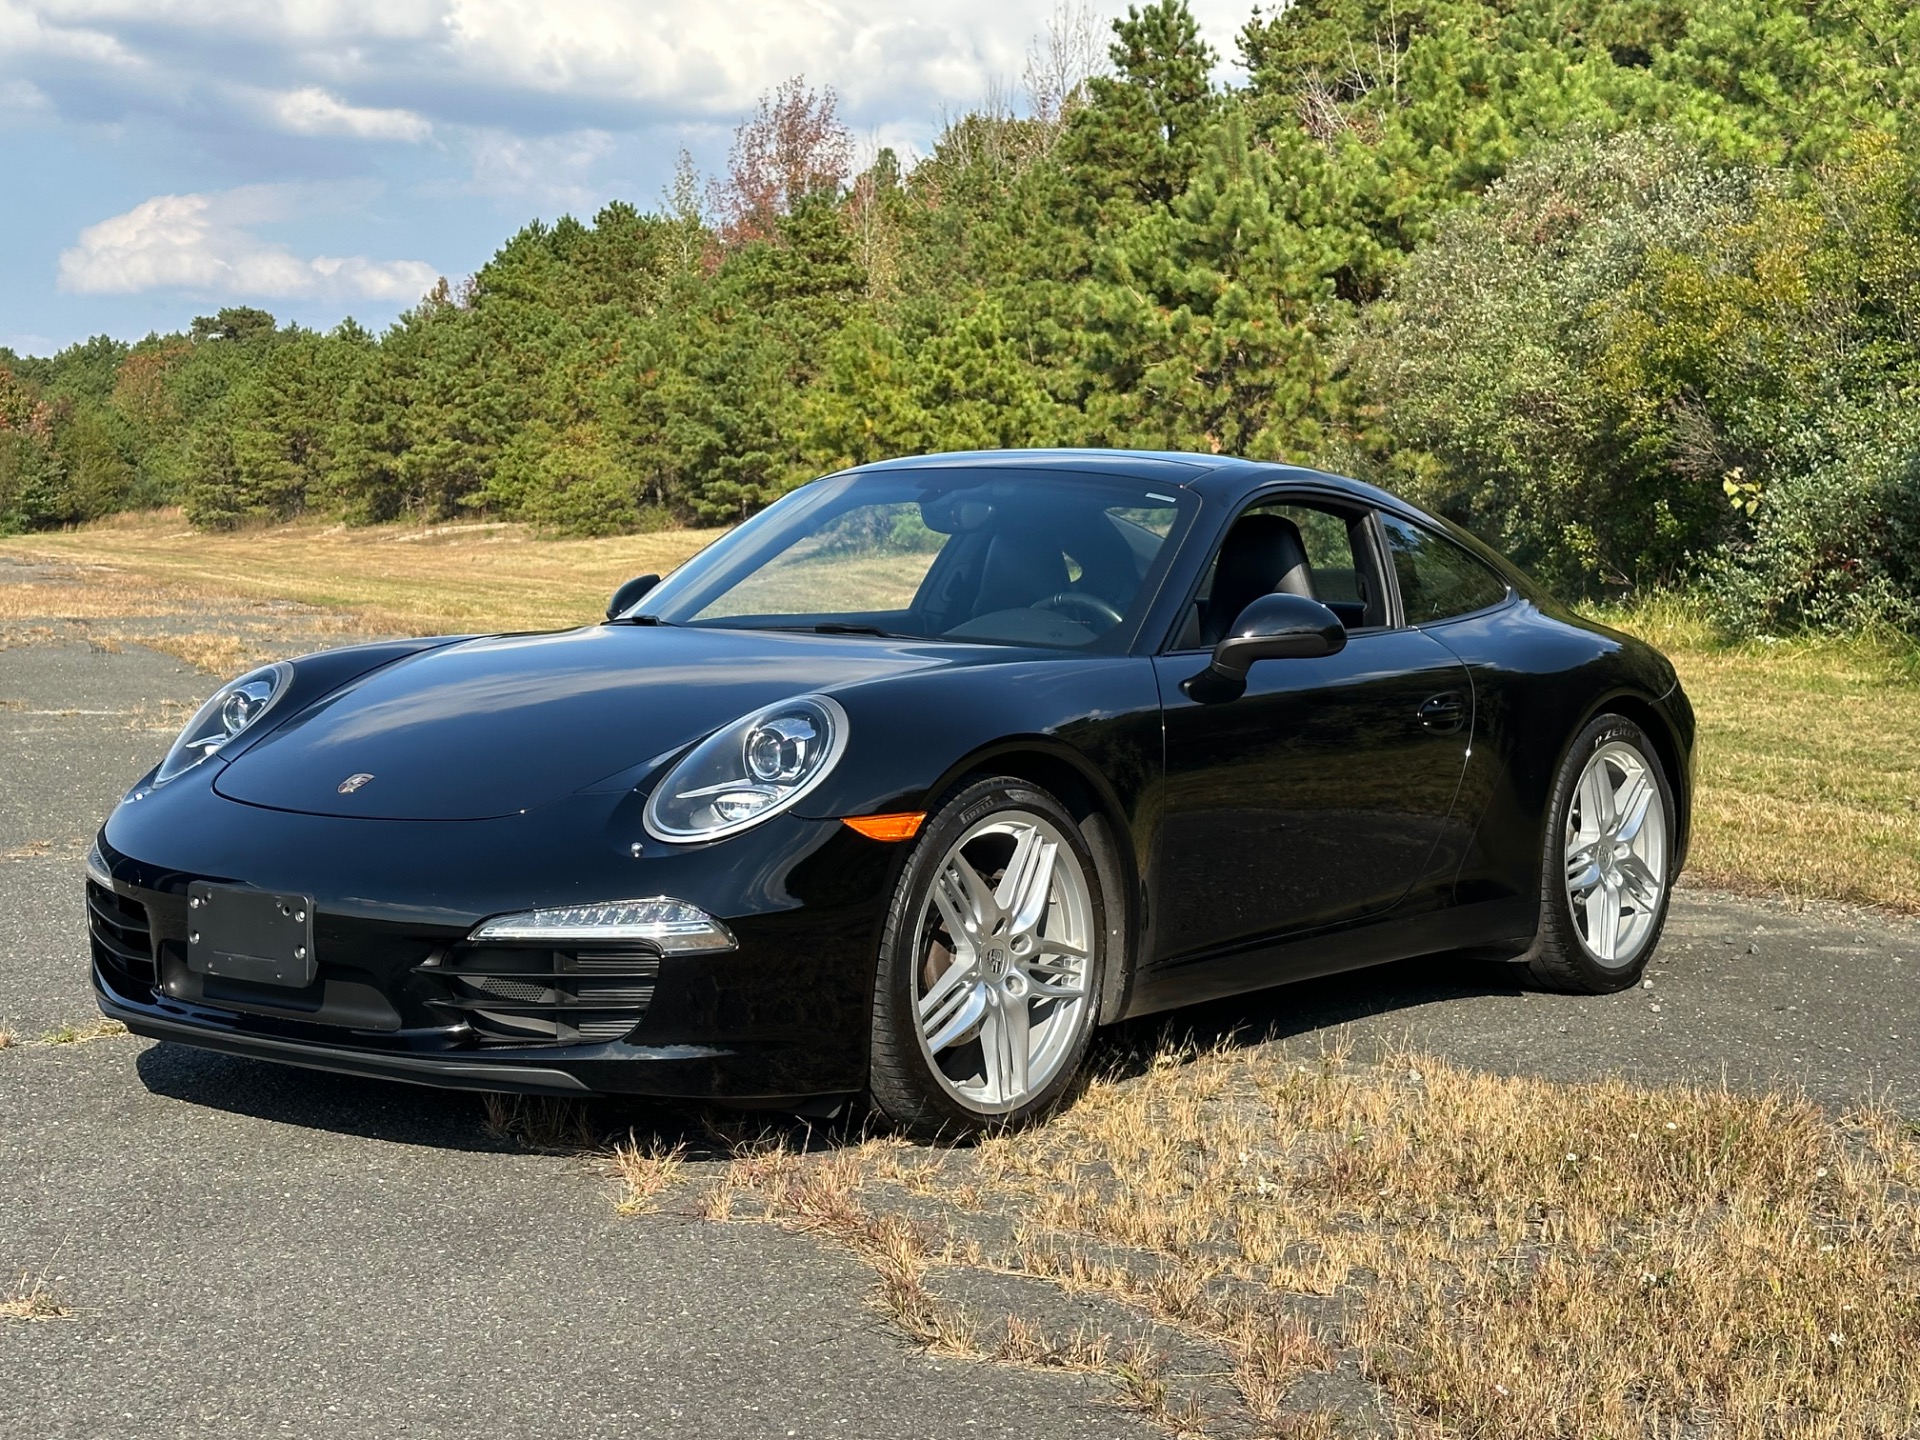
(1807, 765)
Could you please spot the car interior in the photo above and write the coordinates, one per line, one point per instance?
(1068, 576)
(1057, 566)
(1322, 552)
(1060, 574)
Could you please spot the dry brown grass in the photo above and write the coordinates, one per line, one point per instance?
(831, 1195)
(396, 578)
(33, 1298)
(216, 652)
(37, 849)
(1510, 1259)
(8, 1040)
(1513, 1259)
(850, 1196)
(81, 1034)
(819, 1195)
(79, 591)
(1807, 764)
(540, 1122)
(647, 1169)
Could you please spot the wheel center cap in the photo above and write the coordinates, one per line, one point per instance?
(996, 962)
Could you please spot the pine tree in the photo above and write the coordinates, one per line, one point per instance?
(1140, 136)
(1205, 324)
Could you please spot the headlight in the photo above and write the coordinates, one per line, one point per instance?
(233, 708)
(749, 771)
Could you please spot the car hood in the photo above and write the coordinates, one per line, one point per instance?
(500, 725)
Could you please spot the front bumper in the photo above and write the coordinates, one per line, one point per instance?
(401, 992)
(500, 1076)
(660, 1071)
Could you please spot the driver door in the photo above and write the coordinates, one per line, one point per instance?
(1315, 799)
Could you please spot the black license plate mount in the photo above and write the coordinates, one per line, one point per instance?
(238, 933)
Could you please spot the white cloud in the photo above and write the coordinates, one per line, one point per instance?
(312, 111)
(300, 20)
(203, 243)
(581, 62)
(403, 281)
(19, 95)
(718, 57)
(555, 172)
(30, 29)
(905, 140)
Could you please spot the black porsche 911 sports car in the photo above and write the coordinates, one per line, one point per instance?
(903, 787)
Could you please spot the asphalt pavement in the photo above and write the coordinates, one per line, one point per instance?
(250, 1250)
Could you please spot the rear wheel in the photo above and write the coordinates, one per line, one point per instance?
(990, 967)
(1607, 872)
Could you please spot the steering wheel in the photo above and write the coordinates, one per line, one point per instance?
(1077, 605)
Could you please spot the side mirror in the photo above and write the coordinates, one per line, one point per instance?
(1273, 627)
(630, 595)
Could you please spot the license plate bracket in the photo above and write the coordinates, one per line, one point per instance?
(238, 933)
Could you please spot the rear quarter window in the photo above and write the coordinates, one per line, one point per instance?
(1438, 579)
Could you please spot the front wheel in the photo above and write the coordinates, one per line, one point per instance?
(1608, 868)
(990, 966)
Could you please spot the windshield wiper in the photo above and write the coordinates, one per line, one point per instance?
(642, 620)
(844, 627)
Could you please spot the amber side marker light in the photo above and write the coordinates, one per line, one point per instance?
(886, 827)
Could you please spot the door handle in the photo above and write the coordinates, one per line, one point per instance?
(1445, 713)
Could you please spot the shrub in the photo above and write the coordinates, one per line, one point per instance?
(1835, 542)
(1488, 363)
(1630, 366)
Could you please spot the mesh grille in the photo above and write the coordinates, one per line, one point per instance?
(510, 989)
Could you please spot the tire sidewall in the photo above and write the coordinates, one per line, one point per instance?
(1605, 729)
(932, 1108)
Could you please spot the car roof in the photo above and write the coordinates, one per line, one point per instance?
(1222, 478)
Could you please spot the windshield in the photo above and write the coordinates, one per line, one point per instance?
(1015, 557)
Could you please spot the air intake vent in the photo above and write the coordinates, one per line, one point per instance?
(546, 997)
(122, 941)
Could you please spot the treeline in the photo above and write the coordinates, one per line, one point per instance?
(1632, 287)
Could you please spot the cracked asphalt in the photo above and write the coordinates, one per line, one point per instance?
(250, 1250)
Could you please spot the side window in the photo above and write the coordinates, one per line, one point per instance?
(1437, 578)
(1336, 576)
(1322, 552)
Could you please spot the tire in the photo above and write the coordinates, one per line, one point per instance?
(1021, 961)
(1606, 873)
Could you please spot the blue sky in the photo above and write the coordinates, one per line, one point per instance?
(329, 157)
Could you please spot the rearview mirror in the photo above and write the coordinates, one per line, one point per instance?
(630, 595)
(1272, 627)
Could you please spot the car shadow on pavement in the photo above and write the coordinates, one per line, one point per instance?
(459, 1120)
(319, 1100)
(1301, 1010)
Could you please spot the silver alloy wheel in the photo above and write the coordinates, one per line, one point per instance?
(1000, 979)
(1616, 854)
